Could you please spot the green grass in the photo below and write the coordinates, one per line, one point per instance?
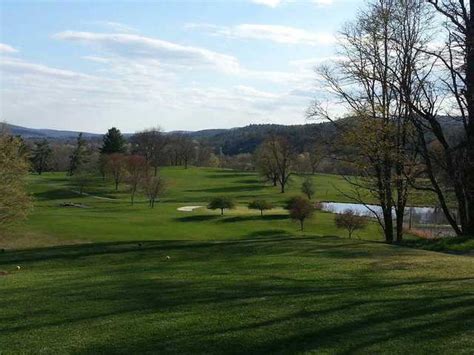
(117, 220)
(233, 284)
(265, 295)
(455, 245)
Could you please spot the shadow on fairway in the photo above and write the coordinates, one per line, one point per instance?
(198, 218)
(228, 175)
(248, 181)
(57, 194)
(241, 289)
(271, 217)
(239, 188)
(269, 233)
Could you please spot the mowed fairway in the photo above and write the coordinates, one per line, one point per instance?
(108, 215)
(321, 294)
(163, 281)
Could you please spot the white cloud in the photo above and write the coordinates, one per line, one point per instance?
(116, 26)
(276, 3)
(135, 46)
(138, 80)
(133, 94)
(274, 33)
(24, 68)
(311, 63)
(323, 2)
(6, 49)
(269, 3)
(96, 59)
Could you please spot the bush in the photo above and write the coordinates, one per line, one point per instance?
(221, 203)
(307, 187)
(300, 209)
(261, 205)
(350, 221)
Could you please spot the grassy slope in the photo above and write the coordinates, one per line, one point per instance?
(116, 220)
(233, 284)
(295, 294)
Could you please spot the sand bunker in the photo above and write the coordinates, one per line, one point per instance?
(188, 208)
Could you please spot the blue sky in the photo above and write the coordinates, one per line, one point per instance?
(90, 65)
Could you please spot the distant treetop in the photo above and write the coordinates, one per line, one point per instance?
(113, 142)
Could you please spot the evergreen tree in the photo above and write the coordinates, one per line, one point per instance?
(113, 142)
(78, 156)
(41, 155)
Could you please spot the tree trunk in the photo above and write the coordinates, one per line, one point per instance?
(282, 189)
(302, 224)
(222, 211)
(388, 222)
(399, 224)
(468, 228)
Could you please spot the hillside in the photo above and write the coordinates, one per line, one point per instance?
(231, 141)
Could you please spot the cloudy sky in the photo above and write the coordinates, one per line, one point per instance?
(90, 65)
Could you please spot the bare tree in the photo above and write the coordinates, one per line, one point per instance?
(115, 165)
(380, 127)
(315, 156)
(281, 158)
(151, 144)
(265, 164)
(445, 104)
(187, 149)
(136, 167)
(153, 187)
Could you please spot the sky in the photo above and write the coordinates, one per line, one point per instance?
(179, 65)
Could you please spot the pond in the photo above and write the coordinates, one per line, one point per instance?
(418, 215)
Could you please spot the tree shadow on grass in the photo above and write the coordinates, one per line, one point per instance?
(238, 188)
(249, 181)
(57, 194)
(325, 314)
(198, 218)
(226, 174)
(271, 217)
(268, 233)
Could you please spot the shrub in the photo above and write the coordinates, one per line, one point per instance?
(307, 187)
(221, 203)
(261, 205)
(300, 209)
(350, 221)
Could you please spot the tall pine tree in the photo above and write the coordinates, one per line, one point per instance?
(78, 156)
(113, 142)
(41, 155)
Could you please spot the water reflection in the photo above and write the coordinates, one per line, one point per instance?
(413, 215)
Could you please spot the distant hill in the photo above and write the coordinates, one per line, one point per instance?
(247, 139)
(35, 133)
(229, 141)
(233, 141)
